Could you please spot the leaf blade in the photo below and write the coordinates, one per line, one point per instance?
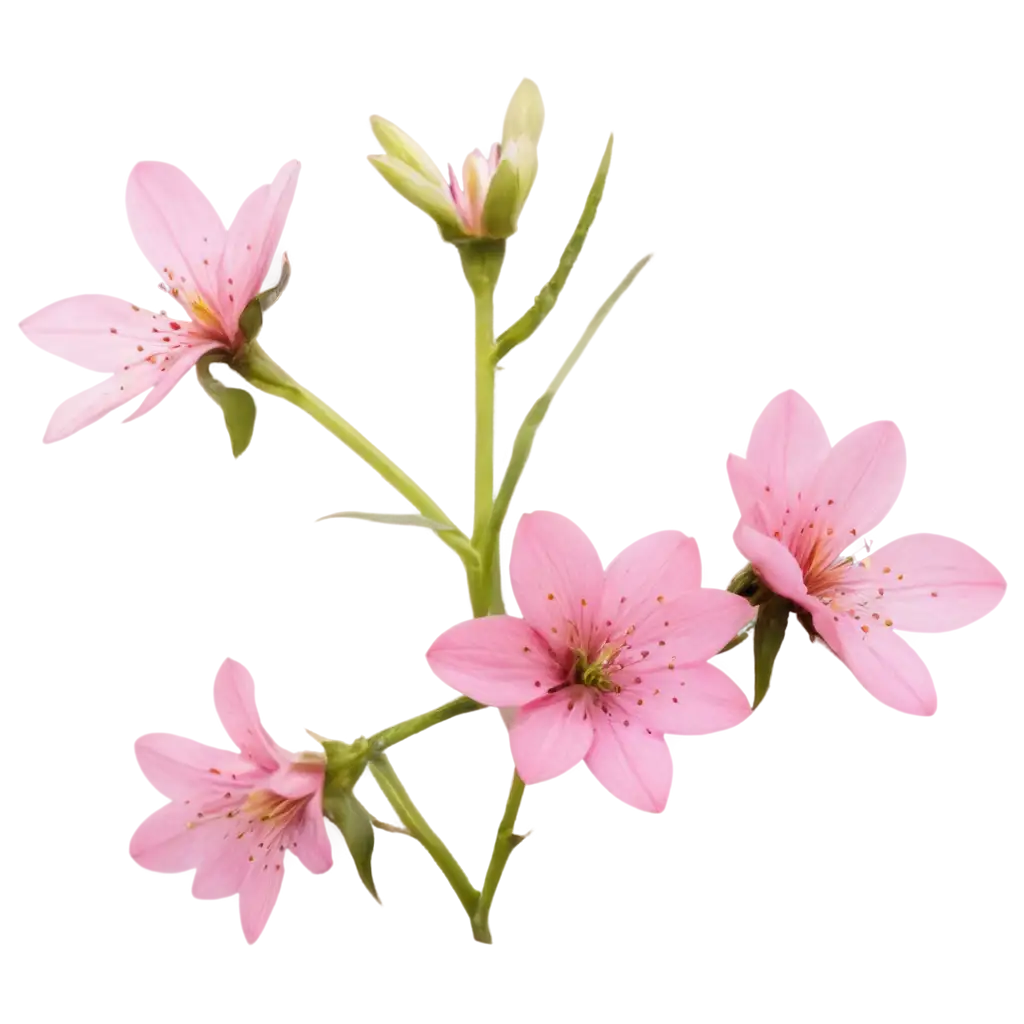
(391, 519)
(237, 405)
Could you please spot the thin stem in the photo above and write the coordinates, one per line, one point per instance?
(411, 818)
(481, 263)
(262, 372)
(504, 843)
(380, 741)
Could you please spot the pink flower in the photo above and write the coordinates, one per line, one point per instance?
(803, 502)
(211, 272)
(233, 816)
(604, 662)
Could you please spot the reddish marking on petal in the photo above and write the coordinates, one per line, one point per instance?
(887, 569)
(551, 597)
(830, 501)
(935, 593)
(526, 650)
(537, 683)
(583, 602)
(174, 326)
(136, 308)
(864, 629)
(675, 700)
(900, 576)
(854, 531)
(113, 330)
(139, 348)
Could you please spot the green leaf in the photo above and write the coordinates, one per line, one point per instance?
(356, 826)
(735, 641)
(517, 461)
(549, 292)
(238, 406)
(251, 319)
(501, 207)
(422, 192)
(769, 632)
(393, 520)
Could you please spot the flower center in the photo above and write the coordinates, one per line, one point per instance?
(596, 674)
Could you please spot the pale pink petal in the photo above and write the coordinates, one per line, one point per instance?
(787, 445)
(181, 768)
(165, 842)
(258, 896)
(890, 668)
(774, 564)
(498, 660)
(310, 842)
(693, 627)
(631, 762)
(296, 779)
(911, 601)
(662, 566)
(134, 349)
(557, 577)
(551, 735)
(856, 485)
(755, 502)
(689, 700)
(178, 231)
(252, 241)
(225, 867)
(234, 695)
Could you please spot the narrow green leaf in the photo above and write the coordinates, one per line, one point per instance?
(735, 641)
(393, 520)
(549, 292)
(238, 406)
(356, 826)
(769, 632)
(517, 462)
(501, 207)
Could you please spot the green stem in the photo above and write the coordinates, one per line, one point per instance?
(504, 843)
(481, 263)
(411, 818)
(262, 372)
(380, 741)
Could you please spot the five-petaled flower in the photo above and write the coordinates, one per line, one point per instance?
(604, 662)
(803, 502)
(233, 816)
(212, 272)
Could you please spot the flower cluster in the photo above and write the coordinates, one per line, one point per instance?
(603, 661)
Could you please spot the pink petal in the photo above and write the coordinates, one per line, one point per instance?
(134, 350)
(693, 627)
(296, 779)
(631, 763)
(689, 700)
(757, 506)
(787, 446)
(178, 231)
(164, 842)
(234, 695)
(225, 867)
(557, 577)
(664, 565)
(916, 598)
(252, 241)
(258, 896)
(774, 564)
(311, 844)
(551, 735)
(181, 768)
(857, 484)
(497, 660)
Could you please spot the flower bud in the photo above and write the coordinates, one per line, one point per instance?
(494, 187)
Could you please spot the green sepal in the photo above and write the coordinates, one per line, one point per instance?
(251, 320)
(229, 393)
(769, 632)
(502, 205)
(423, 193)
(392, 519)
(356, 827)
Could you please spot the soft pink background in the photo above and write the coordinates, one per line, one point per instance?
(125, 572)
